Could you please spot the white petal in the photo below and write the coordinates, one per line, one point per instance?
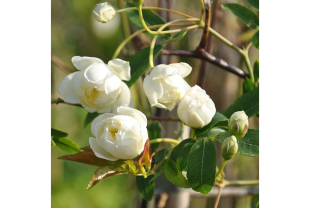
(96, 73)
(99, 151)
(163, 70)
(112, 85)
(153, 89)
(137, 115)
(68, 86)
(124, 97)
(82, 63)
(97, 122)
(121, 68)
(184, 68)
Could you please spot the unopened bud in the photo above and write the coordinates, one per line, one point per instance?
(104, 12)
(238, 124)
(229, 147)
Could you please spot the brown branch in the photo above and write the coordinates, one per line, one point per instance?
(59, 100)
(210, 58)
(218, 197)
(205, 34)
(61, 65)
(162, 118)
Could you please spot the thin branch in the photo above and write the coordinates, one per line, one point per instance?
(208, 57)
(218, 197)
(205, 34)
(241, 183)
(59, 100)
(162, 118)
(61, 65)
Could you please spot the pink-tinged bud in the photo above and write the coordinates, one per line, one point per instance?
(238, 124)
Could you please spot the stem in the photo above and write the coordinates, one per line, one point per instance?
(125, 23)
(204, 37)
(221, 168)
(119, 48)
(192, 134)
(218, 197)
(202, 11)
(241, 183)
(167, 140)
(248, 65)
(162, 118)
(59, 100)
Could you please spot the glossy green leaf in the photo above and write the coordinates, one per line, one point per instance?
(248, 145)
(175, 38)
(256, 70)
(139, 63)
(53, 143)
(214, 132)
(67, 145)
(154, 131)
(145, 187)
(180, 153)
(201, 165)
(249, 17)
(102, 173)
(248, 85)
(254, 4)
(89, 118)
(248, 102)
(218, 117)
(57, 133)
(255, 39)
(149, 17)
(174, 175)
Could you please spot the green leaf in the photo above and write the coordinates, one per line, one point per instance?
(150, 18)
(53, 143)
(255, 201)
(145, 187)
(249, 17)
(254, 4)
(174, 175)
(256, 70)
(214, 132)
(248, 145)
(57, 133)
(177, 37)
(180, 153)
(157, 174)
(255, 39)
(89, 118)
(201, 165)
(248, 102)
(218, 117)
(139, 63)
(102, 173)
(160, 155)
(248, 85)
(67, 145)
(154, 131)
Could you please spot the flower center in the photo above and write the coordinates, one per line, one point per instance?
(91, 94)
(113, 131)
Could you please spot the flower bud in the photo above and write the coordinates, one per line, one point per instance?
(104, 12)
(229, 147)
(238, 124)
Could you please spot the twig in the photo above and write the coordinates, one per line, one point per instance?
(208, 57)
(162, 118)
(59, 100)
(205, 34)
(241, 183)
(61, 65)
(218, 197)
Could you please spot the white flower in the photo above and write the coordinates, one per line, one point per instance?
(165, 84)
(97, 86)
(104, 12)
(119, 136)
(196, 109)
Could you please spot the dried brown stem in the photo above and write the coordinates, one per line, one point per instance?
(205, 34)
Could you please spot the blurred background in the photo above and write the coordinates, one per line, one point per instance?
(75, 32)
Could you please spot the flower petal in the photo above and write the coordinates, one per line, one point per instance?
(121, 68)
(68, 86)
(163, 70)
(137, 115)
(184, 68)
(112, 85)
(82, 63)
(96, 73)
(99, 151)
(153, 89)
(97, 122)
(124, 97)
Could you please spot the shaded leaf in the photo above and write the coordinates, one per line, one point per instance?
(154, 131)
(67, 145)
(214, 132)
(201, 165)
(254, 4)
(139, 63)
(248, 17)
(218, 117)
(256, 70)
(145, 187)
(248, 85)
(157, 174)
(53, 143)
(175, 38)
(56, 133)
(180, 153)
(89, 118)
(255, 201)
(255, 39)
(174, 175)
(160, 155)
(248, 102)
(102, 173)
(150, 18)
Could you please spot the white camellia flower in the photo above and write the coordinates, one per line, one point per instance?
(97, 86)
(104, 12)
(165, 84)
(119, 136)
(196, 109)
